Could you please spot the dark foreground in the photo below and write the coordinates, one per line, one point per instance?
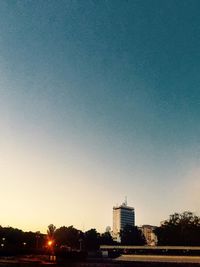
(122, 261)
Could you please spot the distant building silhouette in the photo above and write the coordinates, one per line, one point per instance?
(122, 215)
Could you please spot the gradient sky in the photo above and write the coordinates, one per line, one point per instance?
(98, 100)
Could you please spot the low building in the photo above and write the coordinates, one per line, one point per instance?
(150, 236)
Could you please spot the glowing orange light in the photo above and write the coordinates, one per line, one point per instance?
(50, 242)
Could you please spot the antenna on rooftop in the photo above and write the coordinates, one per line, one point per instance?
(125, 202)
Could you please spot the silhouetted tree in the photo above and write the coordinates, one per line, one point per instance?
(68, 236)
(29, 240)
(38, 240)
(106, 239)
(15, 241)
(51, 231)
(131, 235)
(92, 239)
(179, 229)
(13, 236)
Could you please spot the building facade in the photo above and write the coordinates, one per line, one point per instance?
(122, 215)
(148, 232)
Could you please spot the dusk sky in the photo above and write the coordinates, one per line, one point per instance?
(98, 100)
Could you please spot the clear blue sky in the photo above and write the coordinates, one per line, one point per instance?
(99, 100)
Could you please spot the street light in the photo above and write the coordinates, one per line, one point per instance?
(50, 243)
(3, 242)
(50, 247)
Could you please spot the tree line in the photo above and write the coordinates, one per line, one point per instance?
(16, 240)
(182, 229)
(73, 238)
(91, 239)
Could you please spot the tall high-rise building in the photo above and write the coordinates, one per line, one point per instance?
(122, 215)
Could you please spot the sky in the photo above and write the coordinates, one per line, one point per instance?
(99, 99)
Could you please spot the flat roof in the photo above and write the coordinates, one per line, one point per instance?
(151, 247)
(123, 207)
